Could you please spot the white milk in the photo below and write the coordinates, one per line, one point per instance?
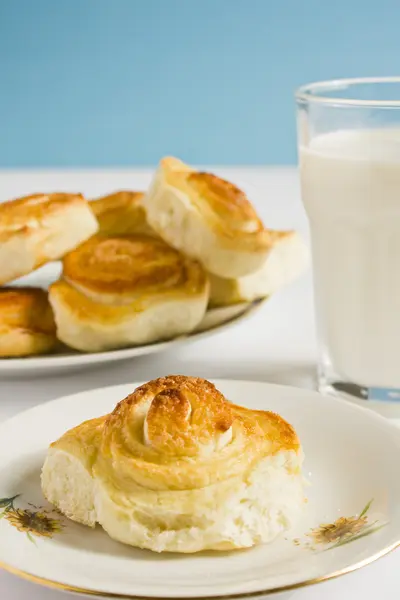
(351, 192)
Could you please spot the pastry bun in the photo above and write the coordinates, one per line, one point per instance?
(286, 260)
(121, 213)
(176, 467)
(207, 218)
(41, 228)
(26, 322)
(127, 290)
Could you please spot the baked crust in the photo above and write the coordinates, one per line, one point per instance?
(40, 228)
(26, 322)
(121, 213)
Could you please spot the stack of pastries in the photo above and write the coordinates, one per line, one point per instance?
(137, 267)
(176, 467)
(35, 230)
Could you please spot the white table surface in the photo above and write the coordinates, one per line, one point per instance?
(275, 345)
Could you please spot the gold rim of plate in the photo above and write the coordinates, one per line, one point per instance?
(50, 583)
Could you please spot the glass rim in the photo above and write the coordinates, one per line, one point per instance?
(309, 92)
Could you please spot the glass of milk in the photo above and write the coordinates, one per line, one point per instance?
(349, 152)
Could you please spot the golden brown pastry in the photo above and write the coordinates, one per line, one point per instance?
(126, 290)
(26, 322)
(41, 228)
(286, 260)
(207, 218)
(121, 213)
(176, 467)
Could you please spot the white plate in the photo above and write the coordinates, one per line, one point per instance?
(214, 321)
(351, 461)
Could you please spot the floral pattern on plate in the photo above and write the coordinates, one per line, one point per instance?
(39, 522)
(340, 532)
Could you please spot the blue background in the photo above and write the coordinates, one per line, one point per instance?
(122, 82)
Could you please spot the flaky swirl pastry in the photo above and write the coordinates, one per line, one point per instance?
(29, 212)
(129, 265)
(181, 433)
(185, 469)
(121, 213)
(26, 322)
(114, 289)
(39, 228)
(224, 205)
(286, 260)
(208, 218)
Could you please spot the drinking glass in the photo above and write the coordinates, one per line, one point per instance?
(349, 154)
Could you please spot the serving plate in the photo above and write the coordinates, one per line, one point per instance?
(352, 516)
(65, 358)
